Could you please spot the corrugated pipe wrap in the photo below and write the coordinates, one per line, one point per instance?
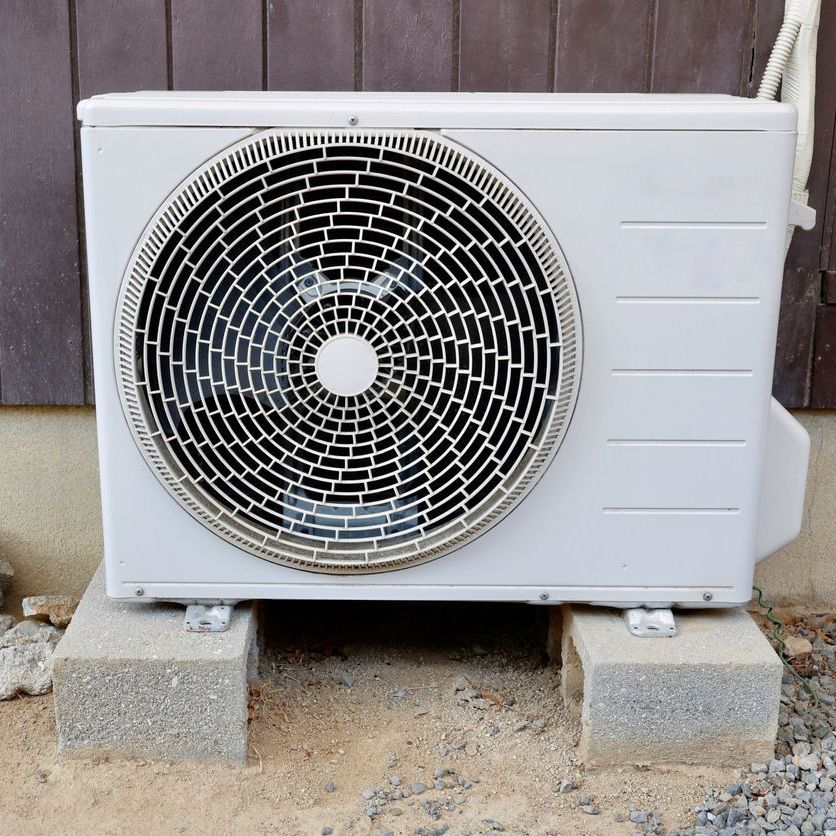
(792, 65)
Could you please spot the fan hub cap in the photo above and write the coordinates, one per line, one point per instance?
(346, 365)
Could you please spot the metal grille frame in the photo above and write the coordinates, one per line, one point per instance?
(432, 156)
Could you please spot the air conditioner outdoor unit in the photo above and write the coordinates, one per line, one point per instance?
(439, 346)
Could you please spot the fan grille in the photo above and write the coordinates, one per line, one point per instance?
(399, 241)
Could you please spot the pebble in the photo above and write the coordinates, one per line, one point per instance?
(25, 669)
(57, 609)
(461, 683)
(6, 623)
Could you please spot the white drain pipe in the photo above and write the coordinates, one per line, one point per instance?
(792, 64)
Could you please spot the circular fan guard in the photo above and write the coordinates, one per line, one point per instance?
(401, 239)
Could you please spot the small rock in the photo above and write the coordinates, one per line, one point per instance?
(25, 669)
(566, 785)
(797, 646)
(461, 683)
(519, 726)
(57, 609)
(6, 623)
(30, 632)
(330, 786)
(347, 679)
(6, 575)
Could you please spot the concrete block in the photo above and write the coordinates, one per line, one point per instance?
(129, 680)
(709, 695)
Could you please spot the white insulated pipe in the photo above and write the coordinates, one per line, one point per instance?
(792, 64)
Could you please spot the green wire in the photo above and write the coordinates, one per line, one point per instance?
(778, 638)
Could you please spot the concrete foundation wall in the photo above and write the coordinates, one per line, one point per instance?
(50, 515)
(805, 571)
(50, 512)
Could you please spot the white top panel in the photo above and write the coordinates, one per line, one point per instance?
(606, 111)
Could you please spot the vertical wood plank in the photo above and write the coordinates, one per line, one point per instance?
(701, 47)
(823, 389)
(796, 327)
(310, 44)
(767, 17)
(216, 44)
(809, 251)
(40, 295)
(504, 45)
(121, 46)
(602, 46)
(407, 44)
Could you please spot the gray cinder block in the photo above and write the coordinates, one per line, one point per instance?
(129, 680)
(709, 695)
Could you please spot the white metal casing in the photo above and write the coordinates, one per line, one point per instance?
(670, 211)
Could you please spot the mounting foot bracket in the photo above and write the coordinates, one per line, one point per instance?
(655, 624)
(203, 618)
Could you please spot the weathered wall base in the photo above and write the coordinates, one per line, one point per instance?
(50, 511)
(805, 571)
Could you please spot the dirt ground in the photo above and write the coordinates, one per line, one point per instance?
(353, 694)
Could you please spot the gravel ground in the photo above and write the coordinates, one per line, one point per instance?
(420, 719)
(794, 792)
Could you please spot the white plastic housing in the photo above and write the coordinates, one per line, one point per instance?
(671, 212)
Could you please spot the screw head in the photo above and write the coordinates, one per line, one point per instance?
(353, 120)
(139, 592)
(544, 596)
(707, 596)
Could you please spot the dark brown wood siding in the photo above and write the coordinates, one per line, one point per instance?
(53, 52)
